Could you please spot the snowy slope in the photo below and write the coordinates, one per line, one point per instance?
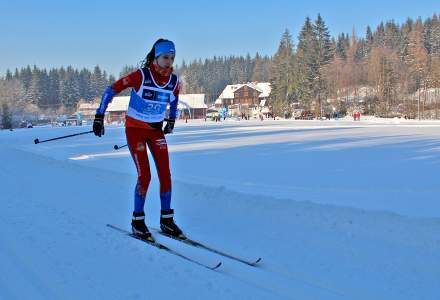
(283, 190)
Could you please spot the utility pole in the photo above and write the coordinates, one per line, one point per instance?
(418, 106)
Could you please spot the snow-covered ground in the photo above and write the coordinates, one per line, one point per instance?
(336, 209)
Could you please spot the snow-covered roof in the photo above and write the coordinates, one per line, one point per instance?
(252, 86)
(263, 87)
(192, 101)
(119, 103)
(87, 106)
(228, 92)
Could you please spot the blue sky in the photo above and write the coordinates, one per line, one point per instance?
(112, 34)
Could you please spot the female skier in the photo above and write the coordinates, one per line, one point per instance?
(153, 87)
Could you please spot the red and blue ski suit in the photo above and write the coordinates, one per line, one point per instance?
(151, 93)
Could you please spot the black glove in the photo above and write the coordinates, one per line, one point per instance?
(98, 125)
(169, 126)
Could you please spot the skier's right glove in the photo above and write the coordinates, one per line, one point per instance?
(98, 125)
(169, 126)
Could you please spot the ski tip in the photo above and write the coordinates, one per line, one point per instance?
(217, 266)
(255, 262)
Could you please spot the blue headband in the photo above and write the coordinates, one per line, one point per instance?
(164, 47)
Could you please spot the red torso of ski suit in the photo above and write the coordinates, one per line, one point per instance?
(141, 134)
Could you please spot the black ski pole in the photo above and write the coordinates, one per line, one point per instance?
(37, 141)
(116, 147)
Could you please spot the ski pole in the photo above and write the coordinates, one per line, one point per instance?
(37, 141)
(116, 147)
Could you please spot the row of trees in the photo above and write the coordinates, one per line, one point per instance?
(392, 66)
(54, 91)
(398, 62)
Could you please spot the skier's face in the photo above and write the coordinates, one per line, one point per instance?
(165, 60)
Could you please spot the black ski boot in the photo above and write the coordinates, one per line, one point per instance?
(139, 228)
(168, 226)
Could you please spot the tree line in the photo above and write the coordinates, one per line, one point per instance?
(388, 71)
(392, 70)
(55, 91)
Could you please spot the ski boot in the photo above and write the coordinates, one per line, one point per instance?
(139, 228)
(168, 226)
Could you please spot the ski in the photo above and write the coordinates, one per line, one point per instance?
(163, 247)
(197, 244)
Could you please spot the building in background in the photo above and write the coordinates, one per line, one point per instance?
(87, 109)
(247, 99)
(117, 110)
(192, 106)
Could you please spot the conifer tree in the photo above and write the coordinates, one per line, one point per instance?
(324, 54)
(282, 75)
(306, 64)
(6, 116)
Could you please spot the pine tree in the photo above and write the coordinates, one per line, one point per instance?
(282, 75)
(34, 93)
(306, 64)
(379, 36)
(44, 101)
(54, 90)
(8, 75)
(26, 77)
(6, 117)
(434, 39)
(96, 83)
(258, 69)
(324, 54)
(84, 78)
(69, 90)
(392, 35)
(404, 41)
(369, 41)
(342, 45)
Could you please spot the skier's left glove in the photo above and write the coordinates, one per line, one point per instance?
(169, 126)
(98, 125)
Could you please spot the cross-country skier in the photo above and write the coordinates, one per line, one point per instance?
(153, 87)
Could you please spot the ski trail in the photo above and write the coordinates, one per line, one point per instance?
(281, 286)
(295, 276)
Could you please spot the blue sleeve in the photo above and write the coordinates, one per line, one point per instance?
(107, 97)
(173, 108)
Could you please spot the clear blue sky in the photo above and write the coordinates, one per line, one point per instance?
(112, 34)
